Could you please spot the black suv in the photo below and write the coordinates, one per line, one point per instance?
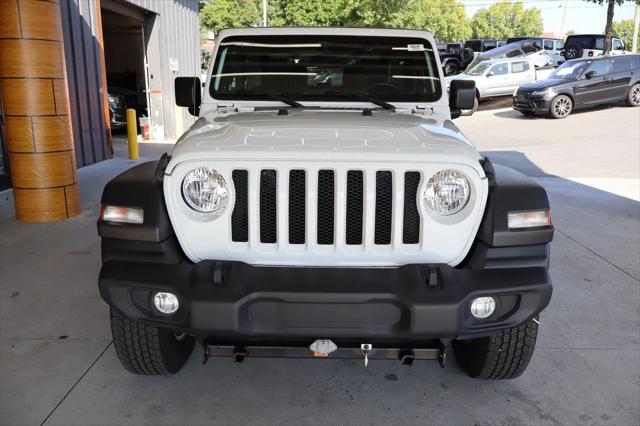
(582, 83)
(454, 57)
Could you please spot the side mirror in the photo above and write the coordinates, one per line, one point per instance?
(188, 93)
(491, 73)
(591, 74)
(462, 95)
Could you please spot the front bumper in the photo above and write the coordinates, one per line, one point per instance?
(529, 103)
(233, 300)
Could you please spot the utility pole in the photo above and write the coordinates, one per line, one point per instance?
(564, 15)
(636, 24)
(264, 13)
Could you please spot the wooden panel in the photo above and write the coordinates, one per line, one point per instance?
(27, 96)
(73, 200)
(52, 133)
(31, 58)
(9, 22)
(40, 205)
(40, 19)
(19, 134)
(42, 170)
(61, 97)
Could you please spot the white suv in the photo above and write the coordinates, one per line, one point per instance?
(325, 218)
(590, 45)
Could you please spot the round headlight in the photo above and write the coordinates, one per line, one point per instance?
(447, 192)
(205, 190)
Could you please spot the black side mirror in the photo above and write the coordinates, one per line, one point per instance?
(591, 74)
(462, 95)
(188, 93)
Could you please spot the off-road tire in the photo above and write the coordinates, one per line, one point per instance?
(633, 97)
(451, 68)
(573, 51)
(505, 355)
(145, 349)
(557, 111)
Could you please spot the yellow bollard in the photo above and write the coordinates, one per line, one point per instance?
(132, 133)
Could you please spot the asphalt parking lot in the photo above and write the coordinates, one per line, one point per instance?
(58, 365)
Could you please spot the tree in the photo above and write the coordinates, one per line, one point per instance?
(446, 19)
(311, 12)
(624, 30)
(608, 29)
(505, 19)
(219, 14)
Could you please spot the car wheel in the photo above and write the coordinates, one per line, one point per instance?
(573, 52)
(149, 350)
(633, 97)
(561, 106)
(451, 68)
(504, 355)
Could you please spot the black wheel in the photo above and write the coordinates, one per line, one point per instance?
(451, 68)
(572, 52)
(149, 350)
(633, 97)
(561, 106)
(505, 355)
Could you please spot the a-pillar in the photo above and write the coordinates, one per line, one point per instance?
(35, 106)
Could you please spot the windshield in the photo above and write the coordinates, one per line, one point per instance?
(569, 70)
(478, 69)
(325, 68)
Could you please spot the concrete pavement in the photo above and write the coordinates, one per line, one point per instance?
(58, 366)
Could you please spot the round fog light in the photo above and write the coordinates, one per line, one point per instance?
(483, 307)
(167, 303)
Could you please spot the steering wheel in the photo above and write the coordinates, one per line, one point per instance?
(377, 86)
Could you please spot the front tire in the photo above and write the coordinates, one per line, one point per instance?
(561, 106)
(146, 349)
(504, 355)
(633, 97)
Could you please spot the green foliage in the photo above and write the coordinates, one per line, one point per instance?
(446, 19)
(311, 12)
(624, 30)
(219, 14)
(505, 19)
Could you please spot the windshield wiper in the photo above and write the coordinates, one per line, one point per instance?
(362, 97)
(276, 97)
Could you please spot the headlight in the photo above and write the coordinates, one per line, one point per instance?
(541, 92)
(447, 192)
(205, 191)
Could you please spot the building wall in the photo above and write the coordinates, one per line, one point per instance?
(172, 33)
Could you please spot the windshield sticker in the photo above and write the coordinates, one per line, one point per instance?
(415, 47)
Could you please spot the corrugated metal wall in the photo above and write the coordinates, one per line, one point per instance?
(179, 38)
(175, 26)
(84, 77)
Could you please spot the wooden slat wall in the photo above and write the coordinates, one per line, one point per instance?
(36, 109)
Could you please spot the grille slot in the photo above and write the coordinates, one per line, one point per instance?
(297, 206)
(355, 205)
(240, 215)
(384, 201)
(268, 206)
(411, 219)
(326, 207)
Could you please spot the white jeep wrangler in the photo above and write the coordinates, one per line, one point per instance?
(325, 205)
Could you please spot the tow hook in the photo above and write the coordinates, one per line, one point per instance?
(366, 349)
(407, 357)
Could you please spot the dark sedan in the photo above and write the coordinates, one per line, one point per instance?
(581, 83)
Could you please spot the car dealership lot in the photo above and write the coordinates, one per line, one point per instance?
(57, 362)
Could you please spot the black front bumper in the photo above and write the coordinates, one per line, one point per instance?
(233, 300)
(532, 104)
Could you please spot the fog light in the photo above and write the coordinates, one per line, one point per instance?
(167, 303)
(483, 307)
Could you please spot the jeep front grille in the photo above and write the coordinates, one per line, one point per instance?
(384, 197)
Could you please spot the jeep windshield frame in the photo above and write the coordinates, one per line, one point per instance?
(323, 68)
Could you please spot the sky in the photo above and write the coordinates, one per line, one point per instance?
(581, 16)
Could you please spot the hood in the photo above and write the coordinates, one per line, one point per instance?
(325, 135)
(543, 84)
